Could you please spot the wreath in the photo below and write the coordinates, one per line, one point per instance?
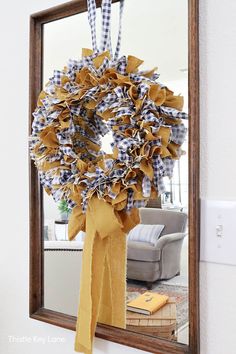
(85, 101)
(80, 104)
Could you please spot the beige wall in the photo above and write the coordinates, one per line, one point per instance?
(218, 282)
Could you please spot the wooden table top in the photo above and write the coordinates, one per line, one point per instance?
(165, 316)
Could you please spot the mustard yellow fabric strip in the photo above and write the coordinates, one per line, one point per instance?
(103, 278)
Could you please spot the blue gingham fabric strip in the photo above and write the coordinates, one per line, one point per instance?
(50, 88)
(173, 113)
(92, 21)
(117, 50)
(121, 65)
(73, 64)
(125, 144)
(106, 26)
(57, 75)
(122, 111)
(119, 90)
(142, 89)
(146, 186)
(169, 166)
(178, 133)
(159, 171)
(103, 67)
(67, 150)
(161, 186)
(64, 138)
(130, 200)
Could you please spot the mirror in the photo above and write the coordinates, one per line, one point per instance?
(160, 38)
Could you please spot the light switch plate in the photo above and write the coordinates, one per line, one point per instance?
(218, 231)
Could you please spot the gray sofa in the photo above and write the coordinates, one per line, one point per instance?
(149, 263)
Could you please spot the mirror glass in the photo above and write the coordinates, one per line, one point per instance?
(157, 32)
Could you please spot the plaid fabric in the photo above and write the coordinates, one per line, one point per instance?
(92, 21)
(117, 50)
(90, 93)
(150, 117)
(130, 200)
(124, 111)
(121, 65)
(146, 186)
(106, 24)
(169, 166)
(76, 110)
(50, 88)
(125, 144)
(106, 103)
(136, 78)
(101, 126)
(103, 67)
(109, 164)
(173, 113)
(57, 75)
(154, 77)
(73, 64)
(46, 103)
(39, 120)
(123, 156)
(71, 204)
(106, 28)
(55, 157)
(159, 172)
(64, 139)
(161, 186)
(66, 150)
(178, 133)
(142, 89)
(119, 91)
(70, 87)
(71, 75)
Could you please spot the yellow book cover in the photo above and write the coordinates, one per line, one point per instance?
(147, 303)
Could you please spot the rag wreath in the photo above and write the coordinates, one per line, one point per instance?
(104, 93)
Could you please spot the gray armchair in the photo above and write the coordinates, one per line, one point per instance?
(149, 263)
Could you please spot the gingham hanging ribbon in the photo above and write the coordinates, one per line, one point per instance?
(117, 51)
(106, 26)
(91, 4)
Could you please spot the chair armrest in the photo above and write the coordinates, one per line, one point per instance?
(163, 240)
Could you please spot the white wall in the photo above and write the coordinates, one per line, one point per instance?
(218, 289)
(218, 170)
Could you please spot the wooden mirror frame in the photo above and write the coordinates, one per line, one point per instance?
(36, 309)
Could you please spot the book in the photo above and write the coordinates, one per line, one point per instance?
(147, 303)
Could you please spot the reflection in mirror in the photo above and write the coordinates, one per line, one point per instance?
(157, 259)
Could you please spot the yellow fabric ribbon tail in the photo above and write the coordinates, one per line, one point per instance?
(103, 276)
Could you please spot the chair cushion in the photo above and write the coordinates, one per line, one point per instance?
(142, 251)
(145, 271)
(146, 233)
